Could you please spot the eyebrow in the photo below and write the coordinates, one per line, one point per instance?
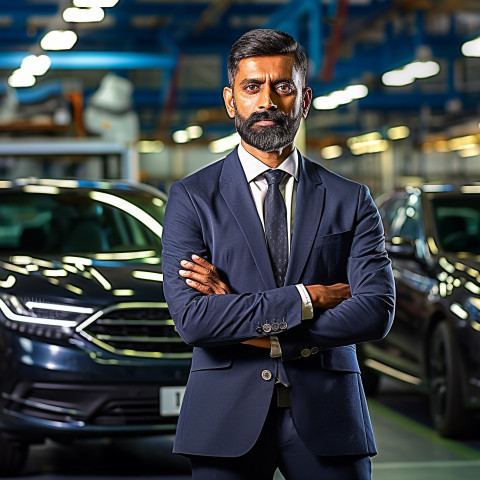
(246, 81)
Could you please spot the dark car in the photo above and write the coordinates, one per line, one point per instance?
(433, 238)
(87, 344)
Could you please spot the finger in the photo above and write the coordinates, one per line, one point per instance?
(194, 267)
(198, 286)
(202, 262)
(198, 277)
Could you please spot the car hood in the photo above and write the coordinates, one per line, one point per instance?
(94, 282)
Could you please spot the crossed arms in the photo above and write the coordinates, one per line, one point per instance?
(203, 276)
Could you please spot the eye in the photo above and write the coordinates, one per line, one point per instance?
(285, 88)
(252, 88)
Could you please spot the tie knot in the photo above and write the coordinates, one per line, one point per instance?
(274, 176)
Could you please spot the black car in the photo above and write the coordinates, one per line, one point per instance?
(87, 344)
(433, 238)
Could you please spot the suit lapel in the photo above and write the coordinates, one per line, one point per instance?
(309, 210)
(236, 193)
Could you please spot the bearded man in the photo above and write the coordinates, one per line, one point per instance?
(274, 268)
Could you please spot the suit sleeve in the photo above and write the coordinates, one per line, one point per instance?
(212, 320)
(368, 314)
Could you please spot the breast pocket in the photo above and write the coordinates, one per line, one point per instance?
(331, 253)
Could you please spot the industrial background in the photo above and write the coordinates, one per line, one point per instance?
(132, 89)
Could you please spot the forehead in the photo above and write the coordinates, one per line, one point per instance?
(271, 66)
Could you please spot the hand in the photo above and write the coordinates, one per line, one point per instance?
(328, 296)
(203, 276)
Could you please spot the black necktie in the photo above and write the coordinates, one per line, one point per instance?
(275, 214)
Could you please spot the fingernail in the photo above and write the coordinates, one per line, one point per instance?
(189, 281)
(182, 272)
(195, 257)
(183, 263)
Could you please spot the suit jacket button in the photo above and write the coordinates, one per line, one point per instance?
(314, 350)
(259, 330)
(306, 352)
(267, 328)
(267, 375)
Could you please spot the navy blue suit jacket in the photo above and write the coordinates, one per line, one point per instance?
(337, 237)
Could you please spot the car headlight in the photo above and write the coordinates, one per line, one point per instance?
(41, 317)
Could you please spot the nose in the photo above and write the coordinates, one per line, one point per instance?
(266, 100)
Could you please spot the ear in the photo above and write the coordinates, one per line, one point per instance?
(307, 101)
(229, 102)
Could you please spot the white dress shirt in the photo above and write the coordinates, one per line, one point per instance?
(254, 170)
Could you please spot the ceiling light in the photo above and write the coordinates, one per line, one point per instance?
(95, 3)
(59, 40)
(194, 131)
(340, 97)
(471, 48)
(83, 15)
(397, 133)
(223, 144)
(21, 78)
(331, 152)
(36, 65)
(150, 146)
(423, 69)
(397, 78)
(357, 91)
(181, 136)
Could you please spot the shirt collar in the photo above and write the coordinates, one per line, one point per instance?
(253, 167)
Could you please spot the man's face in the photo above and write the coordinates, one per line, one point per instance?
(267, 101)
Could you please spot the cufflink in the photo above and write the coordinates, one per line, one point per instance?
(283, 325)
(267, 328)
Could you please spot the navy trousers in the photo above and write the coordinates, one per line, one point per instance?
(279, 446)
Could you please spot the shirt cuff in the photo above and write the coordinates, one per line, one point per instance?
(307, 307)
(275, 348)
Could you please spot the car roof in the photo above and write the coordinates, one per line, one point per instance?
(86, 184)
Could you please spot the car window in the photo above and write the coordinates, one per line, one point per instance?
(80, 222)
(457, 223)
(402, 218)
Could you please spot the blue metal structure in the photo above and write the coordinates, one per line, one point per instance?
(347, 42)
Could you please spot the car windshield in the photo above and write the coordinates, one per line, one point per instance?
(458, 223)
(98, 223)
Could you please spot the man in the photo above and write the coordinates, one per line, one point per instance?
(258, 268)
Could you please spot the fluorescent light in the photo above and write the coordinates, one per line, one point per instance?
(423, 69)
(409, 73)
(340, 97)
(36, 65)
(59, 40)
(83, 15)
(397, 78)
(150, 146)
(95, 3)
(59, 307)
(324, 103)
(397, 133)
(331, 152)
(223, 144)
(471, 48)
(21, 78)
(194, 131)
(181, 136)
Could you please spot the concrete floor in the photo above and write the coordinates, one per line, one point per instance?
(408, 449)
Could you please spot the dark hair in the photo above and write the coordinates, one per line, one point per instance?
(265, 41)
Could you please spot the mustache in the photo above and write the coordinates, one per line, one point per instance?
(273, 115)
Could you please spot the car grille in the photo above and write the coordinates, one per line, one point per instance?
(136, 329)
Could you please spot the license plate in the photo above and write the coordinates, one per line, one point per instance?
(171, 400)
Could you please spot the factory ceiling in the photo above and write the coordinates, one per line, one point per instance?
(175, 53)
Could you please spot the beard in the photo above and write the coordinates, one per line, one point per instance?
(269, 138)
